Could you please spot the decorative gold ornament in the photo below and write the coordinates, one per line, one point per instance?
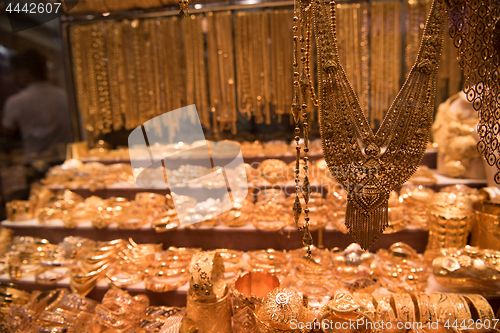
(475, 30)
(370, 165)
(184, 8)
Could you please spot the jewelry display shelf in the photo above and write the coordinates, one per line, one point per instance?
(244, 238)
(429, 159)
(178, 297)
(129, 191)
(177, 162)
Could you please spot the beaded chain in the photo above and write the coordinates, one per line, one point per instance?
(302, 87)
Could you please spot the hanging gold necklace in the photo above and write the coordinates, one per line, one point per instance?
(370, 165)
(475, 30)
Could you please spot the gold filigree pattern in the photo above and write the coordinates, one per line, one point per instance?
(475, 30)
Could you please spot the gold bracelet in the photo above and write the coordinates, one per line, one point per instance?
(124, 275)
(343, 307)
(51, 275)
(483, 308)
(405, 310)
(460, 307)
(250, 288)
(425, 308)
(207, 276)
(118, 319)
(19, 210)
(77, 303)
(366, 302)
(163, 280)
(82, 282)
(279, 309)
(211, 316)
(385, 311)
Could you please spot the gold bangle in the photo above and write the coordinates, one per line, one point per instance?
(207, 276)
(14, 293)
(279, 309)
(51, 275)
(19, 210)
(52, 299)
(366, 302)
(17, 271)
(405, 309)
(251, 287)
(161, 281)
(73, 218)
(269, 257)
(116, 244)
(82, 282)
(116, 297)
(210, 316)
(343, 307)
(124, 275)
(117, 319)
(483, 308)
(460, 307)
(58, 316)
(77, 303)
(129, 221)
(165, 223)
(425, 309)
(385, 311)
(247, 294)
(52, 329)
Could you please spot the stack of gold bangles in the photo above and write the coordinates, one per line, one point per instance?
(59, 310)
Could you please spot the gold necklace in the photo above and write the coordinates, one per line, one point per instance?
(243, 65)
(79, 36)
(370, 165)
(475, 30)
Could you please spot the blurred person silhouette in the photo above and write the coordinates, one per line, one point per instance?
(40, 111)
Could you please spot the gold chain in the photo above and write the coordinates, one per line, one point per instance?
(302, 87)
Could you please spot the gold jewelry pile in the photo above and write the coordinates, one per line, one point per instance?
(61, 311)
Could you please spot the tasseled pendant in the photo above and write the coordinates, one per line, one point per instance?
(366, 219)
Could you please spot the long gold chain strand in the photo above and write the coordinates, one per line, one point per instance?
(231, 80)
(80, 68)
(302, 83)
(114, 66)
(297, 206)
